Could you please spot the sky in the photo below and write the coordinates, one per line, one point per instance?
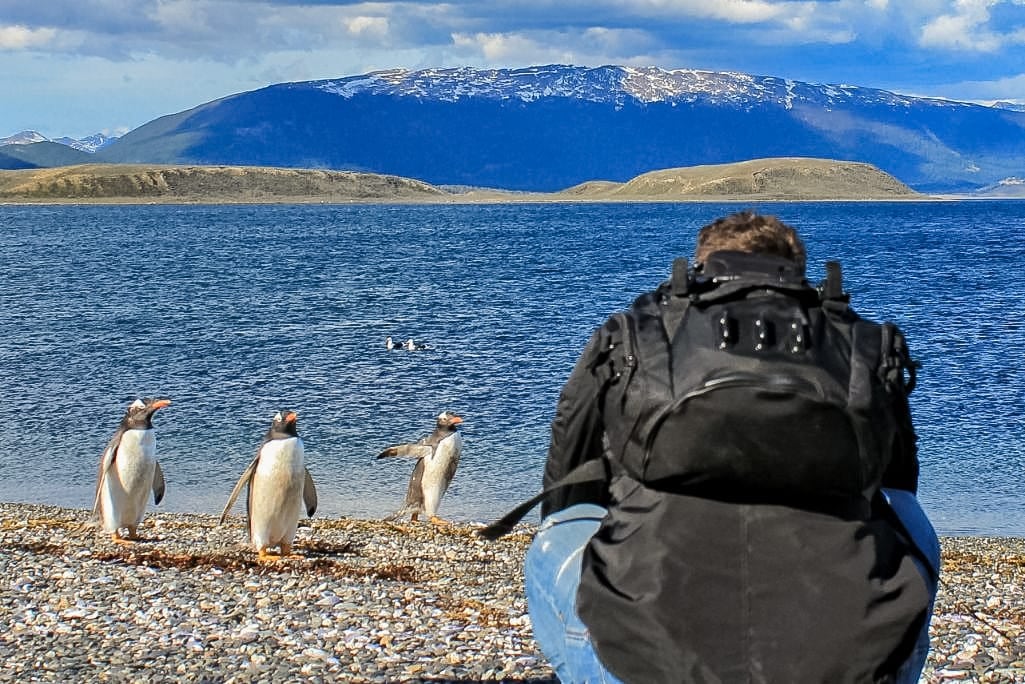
(79, 67)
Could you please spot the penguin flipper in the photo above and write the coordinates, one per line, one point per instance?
(105, 462)
(247, 475)
(158, 484)
(450, 468)
(414, 449)
(309, 495)
(415, 492)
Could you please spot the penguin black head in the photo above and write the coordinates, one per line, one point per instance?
(449, 420)
(139, 414)
(283, 425)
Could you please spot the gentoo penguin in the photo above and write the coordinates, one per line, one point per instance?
(437, 457)
(410, 345)
(280, 488)
(128, 471)
(389, 344)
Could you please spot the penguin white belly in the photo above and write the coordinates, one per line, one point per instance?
(128, 482)
(276, 493)
(438, 471)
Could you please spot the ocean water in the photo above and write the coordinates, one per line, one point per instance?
(236, 311)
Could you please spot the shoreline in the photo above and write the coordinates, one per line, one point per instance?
(485, 198)
(370, 601)
(466, 201)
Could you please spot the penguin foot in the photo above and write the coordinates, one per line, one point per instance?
(125, 540)
(287, 553)
(266, 556)
(435, 520)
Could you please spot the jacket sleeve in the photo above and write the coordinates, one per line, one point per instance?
(577, 430)
(902, 471)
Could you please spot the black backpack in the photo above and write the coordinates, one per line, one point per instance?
(728, 383)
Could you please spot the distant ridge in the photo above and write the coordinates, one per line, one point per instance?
(90, 143)
(546, 128)
(40, 154)
(760, 179)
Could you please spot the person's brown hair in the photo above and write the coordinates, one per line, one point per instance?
(747, 231)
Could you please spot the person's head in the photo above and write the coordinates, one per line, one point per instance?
(747, 231)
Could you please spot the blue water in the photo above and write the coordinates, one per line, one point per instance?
(234, 312)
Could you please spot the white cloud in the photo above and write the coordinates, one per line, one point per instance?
(747, 11)
(24, 38)
(965, 29)
(1008, 89)
(512, 49)
(367, 27)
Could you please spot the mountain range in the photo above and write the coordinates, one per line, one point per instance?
(88, 144)
(551, 127)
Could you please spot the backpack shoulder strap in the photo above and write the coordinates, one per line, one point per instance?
(589, 471)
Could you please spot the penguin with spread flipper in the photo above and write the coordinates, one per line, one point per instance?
(128, 472)
(280, 489)
(437, 457)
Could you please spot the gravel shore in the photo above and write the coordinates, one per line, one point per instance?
(369, 602)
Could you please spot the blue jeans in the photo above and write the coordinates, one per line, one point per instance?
(905, 505)
(552, 572)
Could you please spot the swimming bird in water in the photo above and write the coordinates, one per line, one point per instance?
(127, 473)
(437, 457)
(389, 344)
(410, 345)
(280, 489)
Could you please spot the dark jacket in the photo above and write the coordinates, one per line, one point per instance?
(684, 587)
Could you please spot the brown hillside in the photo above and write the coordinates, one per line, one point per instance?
(782, 179)
(791, 178)
(137, 183)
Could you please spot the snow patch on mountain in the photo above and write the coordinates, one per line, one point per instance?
(613, 85)
(24, 138)
(88, 144)
(1013, 106)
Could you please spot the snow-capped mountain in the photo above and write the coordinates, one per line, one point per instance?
(608, 84)
(89, 143)
(23, 138)
(551, 127)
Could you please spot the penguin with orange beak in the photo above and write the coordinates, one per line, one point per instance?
(280, 489)
(128, 471)
(437, 457)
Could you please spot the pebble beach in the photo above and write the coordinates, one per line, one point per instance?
(368, 601)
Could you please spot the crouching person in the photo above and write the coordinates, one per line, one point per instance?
(730, 485)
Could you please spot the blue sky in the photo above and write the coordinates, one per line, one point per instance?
(77, 67)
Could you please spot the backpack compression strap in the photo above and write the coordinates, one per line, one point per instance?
(589, 471)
